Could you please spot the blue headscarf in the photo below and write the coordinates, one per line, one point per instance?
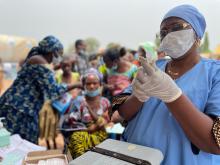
(191, 15)
(49, 44)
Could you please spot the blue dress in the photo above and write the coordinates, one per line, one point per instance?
(21, 103)
(154, 126)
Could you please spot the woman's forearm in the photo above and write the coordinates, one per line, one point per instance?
(130, 107)
(74, 86)
(196, 125)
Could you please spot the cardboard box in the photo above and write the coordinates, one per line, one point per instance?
(35, 156)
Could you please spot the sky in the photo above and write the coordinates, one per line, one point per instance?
(128, 22)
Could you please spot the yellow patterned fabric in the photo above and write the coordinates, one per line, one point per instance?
(81, 141)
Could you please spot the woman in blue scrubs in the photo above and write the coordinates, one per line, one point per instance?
(174, 106)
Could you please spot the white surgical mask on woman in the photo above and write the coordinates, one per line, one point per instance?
(176, 44)
(56, 59)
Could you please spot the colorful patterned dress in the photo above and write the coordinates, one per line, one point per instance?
(121, 80)
(21, 103)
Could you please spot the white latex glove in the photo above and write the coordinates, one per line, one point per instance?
(138, 86)
(156, 83)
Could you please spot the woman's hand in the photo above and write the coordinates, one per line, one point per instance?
(75, 86)
(116, 118)
(155, 83)
(92, 128)
(101, 122)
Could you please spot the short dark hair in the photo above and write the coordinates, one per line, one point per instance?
(93, 57)
(133, 52)
(122, 51)
(78, 42)
(115, 53)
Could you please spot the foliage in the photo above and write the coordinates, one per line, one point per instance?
(92, 45)
(204, 48)
(157, 40)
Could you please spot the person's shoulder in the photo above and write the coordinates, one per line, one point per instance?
(211, 62)
(211, 65)
(105, 101)
(103, 69)
(38, 59)
(212, 68)
(75, 74)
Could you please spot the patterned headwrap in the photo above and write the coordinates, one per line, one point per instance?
(191, 15)
(92, 71)
(49, 44)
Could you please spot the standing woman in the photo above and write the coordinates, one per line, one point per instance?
(35, 83)
(175, 106)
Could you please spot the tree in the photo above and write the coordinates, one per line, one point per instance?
(113, 45)
(70, 49)
(92, 45)
(204, 48)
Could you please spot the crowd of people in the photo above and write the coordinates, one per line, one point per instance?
(171, 104)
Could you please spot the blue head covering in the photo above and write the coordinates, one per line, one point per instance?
(191, 15)
(49, 44)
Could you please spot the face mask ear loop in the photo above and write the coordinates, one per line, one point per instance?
(198, 42)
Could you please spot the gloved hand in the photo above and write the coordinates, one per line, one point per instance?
(156, 83)
(138, 88)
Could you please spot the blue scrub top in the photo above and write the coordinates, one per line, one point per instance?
(154, 126)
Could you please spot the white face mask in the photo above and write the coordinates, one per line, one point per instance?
(176, 44)
(56, 60)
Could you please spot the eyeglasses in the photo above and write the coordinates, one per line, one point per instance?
(175, 27)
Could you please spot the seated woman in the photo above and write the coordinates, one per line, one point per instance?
(119, 72)
(67, 76)
(92, 112)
